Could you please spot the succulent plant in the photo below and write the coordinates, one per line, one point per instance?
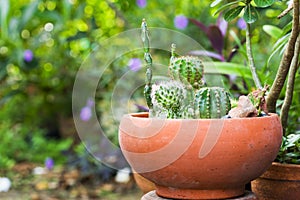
(211, 102)
(185, 95)
(188, 70)
(168, 99)
(257, 97)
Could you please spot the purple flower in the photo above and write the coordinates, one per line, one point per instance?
(28, 55)
(241, 24)
(222, 24)
(181, 21)
(49, 163)
(86, 113)
(135, 64)
(141, 3)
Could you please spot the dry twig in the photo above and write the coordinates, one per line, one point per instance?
(286, 11)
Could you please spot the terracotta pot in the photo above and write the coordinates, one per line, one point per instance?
(200, 158)
(280, 181)
(144, 184)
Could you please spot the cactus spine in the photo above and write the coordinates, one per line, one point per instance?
(168, 99)
(211, 102)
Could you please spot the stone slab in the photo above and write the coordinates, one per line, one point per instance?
(153, 196)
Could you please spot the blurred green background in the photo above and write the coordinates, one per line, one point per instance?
(44, 42)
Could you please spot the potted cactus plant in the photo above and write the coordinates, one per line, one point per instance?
(187, 144)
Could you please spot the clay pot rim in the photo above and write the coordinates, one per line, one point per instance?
(282, 171)
(286, 165)
(144, 116)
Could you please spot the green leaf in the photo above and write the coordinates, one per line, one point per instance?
(242, 49)
(28, 13)
(67, 6)
(250, 14)
(3, 71)
(279, 45)
(4, 8)
(227, 68)
(233, 13)
(292, 139)
(287, 28)
(214, 3)
(224, 7)
(273, 31)
(264, 3)
(9, 96)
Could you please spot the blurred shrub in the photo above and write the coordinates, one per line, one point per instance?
(21, 143)
(44, 42)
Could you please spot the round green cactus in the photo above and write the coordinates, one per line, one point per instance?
(168, 99)
(211, 102)
(187, 69)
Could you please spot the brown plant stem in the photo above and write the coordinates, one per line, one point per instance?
(251, 59)
(285, 62)
(290, 86)
(286, 11)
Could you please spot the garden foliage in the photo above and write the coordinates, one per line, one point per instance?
(44, 42)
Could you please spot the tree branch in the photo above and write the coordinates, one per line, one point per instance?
(285, 62)
(286, 11)
(290, 86)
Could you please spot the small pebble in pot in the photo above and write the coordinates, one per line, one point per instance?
(263, 114)
(226, 117)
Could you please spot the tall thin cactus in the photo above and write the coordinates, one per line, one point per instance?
(148, 59)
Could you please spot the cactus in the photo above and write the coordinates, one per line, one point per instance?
(185, 95)
(168, 99)
(148, 59)
(187, 69)
(211, 102)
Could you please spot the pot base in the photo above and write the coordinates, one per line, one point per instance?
(199, 194)
(153, 196)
